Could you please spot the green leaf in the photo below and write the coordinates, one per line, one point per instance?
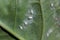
(22, 18)
(50, 11)
(31, 19)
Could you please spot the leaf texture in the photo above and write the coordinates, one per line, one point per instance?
(50, 11)
(22, 18)
(31, 19)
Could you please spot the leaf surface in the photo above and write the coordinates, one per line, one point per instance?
(51, 16)
(22, 18)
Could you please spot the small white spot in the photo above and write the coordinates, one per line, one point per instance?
(32, 11)
(21, 27)
(52, 4)
(25, 22)
(30, 17)
(49, 32)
